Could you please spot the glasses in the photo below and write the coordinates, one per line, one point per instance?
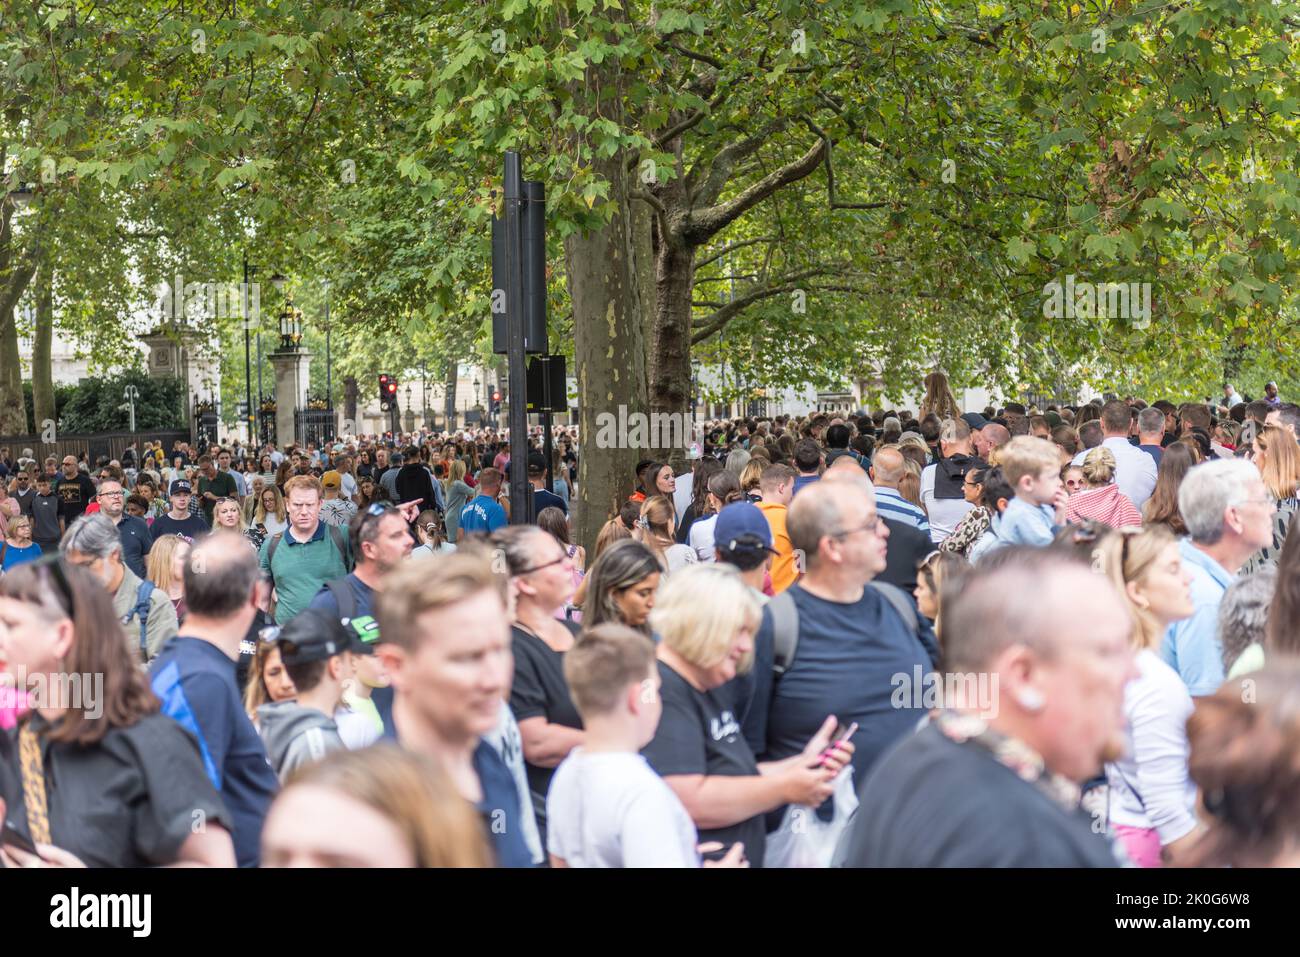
(537, 568)
(118, 494)
(870, 526)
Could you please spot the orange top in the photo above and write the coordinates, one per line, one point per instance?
(784, 570)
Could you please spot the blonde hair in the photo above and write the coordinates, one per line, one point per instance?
(612, 531)
(1098, 466)
(413, 792)
(1127, 556)
(752, 474)
(426, 584)
(159, 567)
(1281, 468)
(909, 484)
(1027, 455)
(658, 520)
(699, 610)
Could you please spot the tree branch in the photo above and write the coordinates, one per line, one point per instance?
(730, 247)
(649, 198)
(705, 223)
(712, 324)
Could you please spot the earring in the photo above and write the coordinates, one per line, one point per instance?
(1031, 700)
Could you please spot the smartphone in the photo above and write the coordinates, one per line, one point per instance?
(841, 735)
(16, 838)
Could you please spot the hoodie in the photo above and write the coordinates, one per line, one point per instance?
(295, 735)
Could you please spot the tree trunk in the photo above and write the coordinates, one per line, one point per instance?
(350, 402)
(610, 354)
(669, 381)
(42, 340)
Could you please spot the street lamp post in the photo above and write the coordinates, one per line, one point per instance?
(329, 382)
(250, 412)
(131, 394)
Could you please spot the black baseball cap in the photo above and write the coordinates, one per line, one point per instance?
(178, 486)
(315, 635)
(536, 463)
(975, 420)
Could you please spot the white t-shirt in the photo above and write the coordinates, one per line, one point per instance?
(678, 556)
(1150, 786)
(945, 514)
(610, 809)
(701, 538)
(356, 729)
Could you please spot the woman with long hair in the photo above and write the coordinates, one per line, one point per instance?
(270, 515)
(457, 493)
(268, 680)
(938, 576)
(94, 776)
(704, 470)
(166, 569)
(1278, 458)
(1244, 742)
(1152, 801)
(400, 807)
(751, 478)
(939, 398)
(721, 489)
(621, 586)
(1162, 507)
(655, 530)
(433, 537)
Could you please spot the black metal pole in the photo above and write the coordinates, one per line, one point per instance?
(248, 367)
(521, 501)
(548, 450)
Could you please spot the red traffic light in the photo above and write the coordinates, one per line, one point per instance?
(496, 396)
(392, 387)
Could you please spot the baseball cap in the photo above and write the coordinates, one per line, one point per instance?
(975, 420)
(331, 479)
(315, 635)
(741, 525)
(180, 486)
(536, 463)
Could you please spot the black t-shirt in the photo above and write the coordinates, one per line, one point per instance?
(131, 800)
(74, 495)
(936, 803)
(540, 691)
(191, 527)
(700, 734)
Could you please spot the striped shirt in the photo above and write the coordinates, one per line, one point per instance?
(890, 504)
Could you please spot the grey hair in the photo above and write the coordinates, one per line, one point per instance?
(737, 461)
(1209, 490)
(1151, 420)
(92, 535)
(1243, 613)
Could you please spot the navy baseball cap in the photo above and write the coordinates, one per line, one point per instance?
(178, 486)
(741, 525)
(975, 420)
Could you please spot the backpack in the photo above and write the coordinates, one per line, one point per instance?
(344, 596)
(785, 621)
(141, 611)
(336, 536)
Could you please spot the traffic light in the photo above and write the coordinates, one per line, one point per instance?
(387, 392)
(496, 399)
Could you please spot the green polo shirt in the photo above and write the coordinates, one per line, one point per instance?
(302, 568)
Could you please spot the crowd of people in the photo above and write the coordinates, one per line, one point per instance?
(1008, 637)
